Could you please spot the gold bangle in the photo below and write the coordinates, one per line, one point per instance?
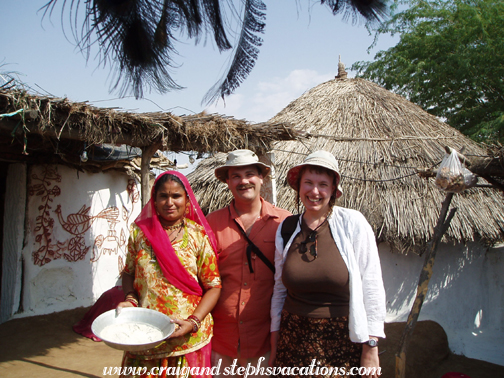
(131, 293)
(195, 318)
(195, 327)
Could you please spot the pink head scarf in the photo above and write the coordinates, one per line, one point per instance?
(149, 223)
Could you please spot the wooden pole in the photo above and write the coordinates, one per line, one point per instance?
(268, 189)
(423, 284)
(147, 154)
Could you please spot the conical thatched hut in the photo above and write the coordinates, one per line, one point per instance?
(380, 140)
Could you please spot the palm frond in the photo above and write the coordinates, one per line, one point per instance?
(371, 10)
(214, 19)
(136, 37)
(246, 52)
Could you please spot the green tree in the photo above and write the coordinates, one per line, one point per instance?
(449, 61)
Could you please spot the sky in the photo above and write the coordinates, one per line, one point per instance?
(301, 47)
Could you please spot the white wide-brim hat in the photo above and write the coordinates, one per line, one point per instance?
(318, 158)
(240, 158)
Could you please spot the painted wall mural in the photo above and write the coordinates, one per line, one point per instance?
(76, 224)
(111, 244)
(43, 187)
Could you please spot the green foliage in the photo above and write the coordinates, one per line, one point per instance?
(449, 61)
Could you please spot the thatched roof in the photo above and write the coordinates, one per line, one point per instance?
(380, 139)
(35, 128)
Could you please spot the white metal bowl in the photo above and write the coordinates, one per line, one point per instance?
(136, 315)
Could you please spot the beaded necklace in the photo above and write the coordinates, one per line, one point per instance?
(173, 227)
(178, 226)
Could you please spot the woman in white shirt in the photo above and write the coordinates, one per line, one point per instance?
(328, 305)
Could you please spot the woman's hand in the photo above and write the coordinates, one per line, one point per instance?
(370, 359)
(122, 305)
(125, 304)
(274, 342)
(206, 304)
(184, 327)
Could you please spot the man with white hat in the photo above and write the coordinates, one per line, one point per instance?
(245, 232)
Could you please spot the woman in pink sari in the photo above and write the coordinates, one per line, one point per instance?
(171, 267)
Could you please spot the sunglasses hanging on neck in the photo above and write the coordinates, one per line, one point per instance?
(311, 238)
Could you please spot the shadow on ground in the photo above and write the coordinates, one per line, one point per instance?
(428, 354)
(47, 347)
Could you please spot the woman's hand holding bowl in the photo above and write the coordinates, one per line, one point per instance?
(184, 327)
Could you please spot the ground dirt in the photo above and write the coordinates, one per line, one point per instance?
(46, 347)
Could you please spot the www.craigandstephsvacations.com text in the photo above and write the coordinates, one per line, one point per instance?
(249, 370)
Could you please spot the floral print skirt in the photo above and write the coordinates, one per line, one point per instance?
(321, 343)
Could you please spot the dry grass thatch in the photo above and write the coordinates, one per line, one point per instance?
(380, 139)
(56, 120)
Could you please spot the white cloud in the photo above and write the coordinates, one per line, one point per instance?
(271, 96)
(232, 106)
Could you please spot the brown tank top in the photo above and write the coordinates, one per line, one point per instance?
(317, 287)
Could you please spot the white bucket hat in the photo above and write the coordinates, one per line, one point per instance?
(241, 158)
(318, 158)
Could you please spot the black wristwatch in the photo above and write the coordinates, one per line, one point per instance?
(372, 343)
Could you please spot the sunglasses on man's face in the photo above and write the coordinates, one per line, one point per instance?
(312, 238)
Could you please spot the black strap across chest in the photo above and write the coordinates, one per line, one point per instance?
(288, 227)
(253, 248)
